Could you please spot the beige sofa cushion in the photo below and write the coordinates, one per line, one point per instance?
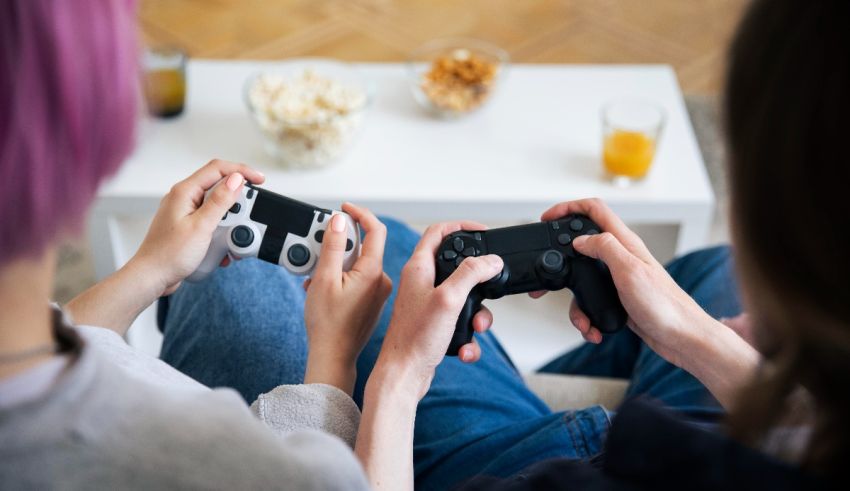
(563, 392)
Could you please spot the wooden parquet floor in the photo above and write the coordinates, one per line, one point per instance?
(691, 35)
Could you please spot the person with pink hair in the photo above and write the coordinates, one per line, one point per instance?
(78, 407)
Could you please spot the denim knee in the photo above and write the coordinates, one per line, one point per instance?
(689, 270)
(708, 275)
(398, 231)
(721, 254)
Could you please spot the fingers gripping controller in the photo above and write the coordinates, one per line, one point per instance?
(276, 229)
(538, 256)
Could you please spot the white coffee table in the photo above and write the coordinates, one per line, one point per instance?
(536, 143)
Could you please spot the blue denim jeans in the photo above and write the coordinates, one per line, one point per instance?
(243, 328)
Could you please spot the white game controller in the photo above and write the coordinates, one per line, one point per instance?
(276, 229)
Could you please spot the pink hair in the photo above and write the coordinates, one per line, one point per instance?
(68, 97)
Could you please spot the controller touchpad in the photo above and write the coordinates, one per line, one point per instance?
(522, 238)
(282, 214)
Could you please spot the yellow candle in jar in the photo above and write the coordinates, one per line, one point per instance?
(628, 153)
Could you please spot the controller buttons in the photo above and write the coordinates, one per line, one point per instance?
(320, 218)
(320, 234)
(250, 193)
(592, 231)
(458, 244)
(235, 208)
(470, 251)
(449, 255)
(556, 226)
(242, 236)
(298, 255)
(564, 239)
(459, 260)
(553, 262)
(576, 225)
(477, 236)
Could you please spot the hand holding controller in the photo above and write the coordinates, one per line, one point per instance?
(537, 256)
(276, 229)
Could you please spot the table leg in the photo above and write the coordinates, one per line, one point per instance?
(101, 241)
(694, 230)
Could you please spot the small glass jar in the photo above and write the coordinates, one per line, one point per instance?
(164, 81)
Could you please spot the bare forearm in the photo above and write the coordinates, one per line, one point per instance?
(330, 369)
(115, 302)
(385, 440)
(721, 359)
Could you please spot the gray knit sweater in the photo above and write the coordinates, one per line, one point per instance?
(116, 419)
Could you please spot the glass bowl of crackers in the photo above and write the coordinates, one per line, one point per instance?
(455, 76)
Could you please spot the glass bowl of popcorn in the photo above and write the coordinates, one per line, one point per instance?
(309, 111)
(455, 76)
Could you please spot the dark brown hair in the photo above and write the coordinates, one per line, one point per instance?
(787, 117)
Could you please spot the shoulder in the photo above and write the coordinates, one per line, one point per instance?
(647, 440)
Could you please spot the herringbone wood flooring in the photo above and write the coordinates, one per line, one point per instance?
(691, 35)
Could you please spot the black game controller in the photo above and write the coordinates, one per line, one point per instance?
(537, 256)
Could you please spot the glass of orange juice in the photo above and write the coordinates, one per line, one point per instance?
(630, 132)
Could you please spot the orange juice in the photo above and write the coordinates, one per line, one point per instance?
(628, 153)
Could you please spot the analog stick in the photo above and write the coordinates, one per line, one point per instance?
(552, 262)
(298, 255)
(242, 236)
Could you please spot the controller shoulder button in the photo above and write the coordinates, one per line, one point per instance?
(449, 255)
(576, 224)
(298, 255)
(457, 244)
(564, 239)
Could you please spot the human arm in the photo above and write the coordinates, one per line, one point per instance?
(424, 318)
(667, 319)
(742, 324)
(342, 308)
(174, 246)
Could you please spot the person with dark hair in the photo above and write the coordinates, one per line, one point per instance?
(731, 387)
(719, 399)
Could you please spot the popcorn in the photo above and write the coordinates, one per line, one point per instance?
(309, 119)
